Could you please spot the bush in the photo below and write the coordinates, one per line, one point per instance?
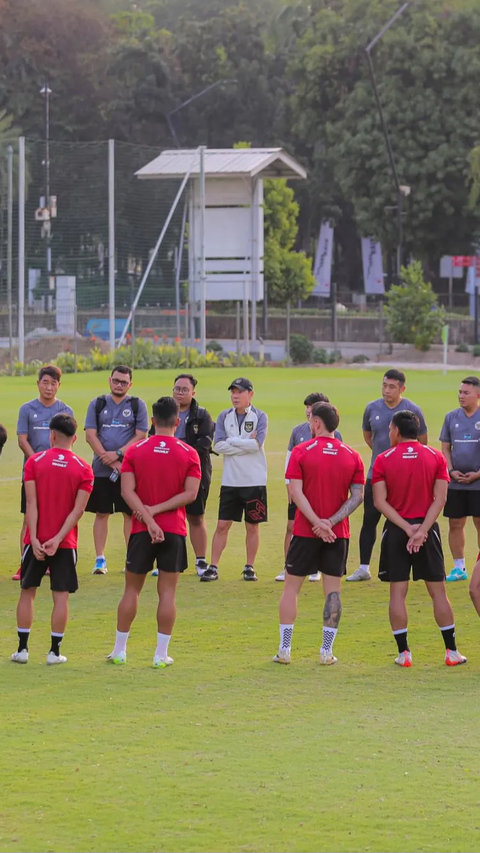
(214, 346)
(321, 356)
(476, 350)
(147, 355)
(30, 368)
(462, 347)
(413, 313)
(361, 358)
(301, 349)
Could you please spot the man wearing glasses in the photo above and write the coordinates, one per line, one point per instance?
(196, 429)
(114, 422)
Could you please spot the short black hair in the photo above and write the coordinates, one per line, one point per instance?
(316, 397)
(328, 414)
(407, 423)
(64, 423)
(50, 370)
(396, 375)
(3, 437)
(122, 368)
(165, 412)
(188, 376)
(471, 380)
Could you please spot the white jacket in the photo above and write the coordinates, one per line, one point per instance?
(244, 462)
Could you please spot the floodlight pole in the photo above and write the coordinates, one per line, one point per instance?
(391, 156)
(203, 280)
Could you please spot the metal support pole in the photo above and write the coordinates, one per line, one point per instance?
(10, 252)
(265, 308)
(334, 316)
(203, 282)
(75, 340)
(450, 289)
(287, 342)
(381, 326)
(186, 335)
(475, 323)
(178, 271)
(21, 249)
(237, 329)
(111, 243)
(245, 319)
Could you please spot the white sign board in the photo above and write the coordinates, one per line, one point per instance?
(66, 297)
(322, 269)
(372, 266)
(447, 270)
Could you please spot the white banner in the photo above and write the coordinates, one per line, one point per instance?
(322, 269)
(372, 266)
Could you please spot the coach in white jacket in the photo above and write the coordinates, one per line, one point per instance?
(240, 434)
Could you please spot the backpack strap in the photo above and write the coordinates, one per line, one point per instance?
(100, 404)
(134, 404)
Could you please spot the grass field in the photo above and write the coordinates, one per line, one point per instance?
(225, 751)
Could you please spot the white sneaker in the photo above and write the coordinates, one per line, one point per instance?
(155, 573)
(201, 567)
(317, 576)
(404, 659)
(360, 575)
(52, 658)
(160, 663)
(120, 658)
(281, 576)
(282, 656)
(454, 658)
(327, 659)
(20, 657)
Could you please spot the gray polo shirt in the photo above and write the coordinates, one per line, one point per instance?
(34, 419)
(303, 433)
(376, 419)
(181, 430)
(462, 432)
(117, 427)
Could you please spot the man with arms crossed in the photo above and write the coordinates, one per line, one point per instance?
(160, 477)
(321, 473)
(460, 439)
(33, 427)
(410, 484)
(57, 486)
(376, 424)
(112, 425)
(240, 434)
(300, 433)
(196, 429)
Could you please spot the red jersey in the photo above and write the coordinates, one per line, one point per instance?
(327, 468)
(161, 465)
(409, 471)
(58, 476)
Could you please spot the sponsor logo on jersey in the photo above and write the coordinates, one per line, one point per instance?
(410, 453)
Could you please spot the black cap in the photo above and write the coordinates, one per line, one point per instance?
(242, 383)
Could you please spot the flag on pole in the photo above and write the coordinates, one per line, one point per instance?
(372, 266)
(322, 269)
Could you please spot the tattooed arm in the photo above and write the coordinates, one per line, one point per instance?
(350, 505)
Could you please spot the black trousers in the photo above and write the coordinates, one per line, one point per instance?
(368, 533)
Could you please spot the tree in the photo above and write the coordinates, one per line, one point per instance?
(413, 314)
(288, 274)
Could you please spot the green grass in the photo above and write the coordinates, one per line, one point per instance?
(225, 751)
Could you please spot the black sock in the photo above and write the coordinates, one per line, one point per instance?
(23, 640)
(56, 640)
(401, 639)
(448, 635)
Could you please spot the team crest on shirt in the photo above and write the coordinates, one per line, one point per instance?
(249, 426)
(477, 425)
(126, 413)
(195, 428)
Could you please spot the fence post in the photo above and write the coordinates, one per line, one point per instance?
(237, 329)
(381, 326)
(334, 317)
(287, 343)
(186, 335)
(21, 249)
(245, 319)
(111, 243)
(203, 281)
(75, 340)
(178, 271)
(10, 252)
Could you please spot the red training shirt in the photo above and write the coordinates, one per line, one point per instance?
(58, 475)
(409, 470)
(327, 468)
(161, 465)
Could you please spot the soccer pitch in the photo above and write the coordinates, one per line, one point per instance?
(225, 751)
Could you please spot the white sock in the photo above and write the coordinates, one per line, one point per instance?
(121, 638)
(100, 556)
(286, 632)
(329, 635)
(365, 567)
(460, 564)
(162, 645)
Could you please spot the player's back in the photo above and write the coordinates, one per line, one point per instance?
(58, 475)
(409, 471)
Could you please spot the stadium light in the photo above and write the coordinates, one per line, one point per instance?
(190, 101)
(401, 190)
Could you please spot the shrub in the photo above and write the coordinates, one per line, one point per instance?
(214, 346)
(301, 349)
(361, 358)
(476, 350)
(413, 314)
(462, 347)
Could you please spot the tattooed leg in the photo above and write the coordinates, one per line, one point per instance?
(332, 612)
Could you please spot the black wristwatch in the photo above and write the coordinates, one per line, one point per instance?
(119, 454)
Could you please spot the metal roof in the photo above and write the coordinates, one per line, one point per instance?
(229, 162)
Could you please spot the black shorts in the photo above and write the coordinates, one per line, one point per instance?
(462, 503)
(63, 572)
(292, 508)
(306, 556)
(236, 501)
(23, 500)
(396, 563)
(199, 505)
(106, 497)
(170, 555)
